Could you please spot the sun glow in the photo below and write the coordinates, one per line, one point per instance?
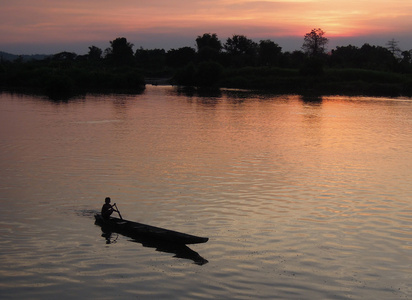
(75, 20)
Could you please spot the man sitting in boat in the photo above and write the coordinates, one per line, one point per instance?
(107, 208)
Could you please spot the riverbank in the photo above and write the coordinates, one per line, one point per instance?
(59, 83)
(330, 82)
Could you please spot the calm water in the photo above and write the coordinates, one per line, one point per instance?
(300, 199)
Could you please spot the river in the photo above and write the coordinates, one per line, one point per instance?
(301, 198)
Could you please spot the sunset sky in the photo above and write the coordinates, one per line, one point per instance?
(51, 26)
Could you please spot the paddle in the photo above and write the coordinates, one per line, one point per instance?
(118, 211)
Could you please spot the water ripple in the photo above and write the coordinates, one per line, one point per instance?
(299, 201)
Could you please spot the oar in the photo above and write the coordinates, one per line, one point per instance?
(118, 211)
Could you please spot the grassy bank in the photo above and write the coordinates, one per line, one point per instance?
(330, 81)
(64, 81)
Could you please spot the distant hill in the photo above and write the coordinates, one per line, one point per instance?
(11, 57)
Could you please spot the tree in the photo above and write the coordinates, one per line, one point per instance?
(405, 63)
(315, 43)
(240, 44)
(180, 57)
(65, 56)
(95, 53)
(392, 46)
(120, 52)
(346, 57)
(154, 59)
(208, 40)
(64, 60)
(243, 51)
(407, 56)
(376, 58)
(269, 53)
(366, 57)
(208, 47)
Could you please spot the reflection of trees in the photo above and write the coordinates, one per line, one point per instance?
(197, 92)
(311, 99)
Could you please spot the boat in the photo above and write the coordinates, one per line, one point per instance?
(139, 230)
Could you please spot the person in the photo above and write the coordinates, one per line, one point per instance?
(107, 208)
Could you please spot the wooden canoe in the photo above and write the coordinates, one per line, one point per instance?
(134, 229)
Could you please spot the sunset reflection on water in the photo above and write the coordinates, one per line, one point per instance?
(300, 198)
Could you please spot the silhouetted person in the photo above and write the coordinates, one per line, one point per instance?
(107, 208)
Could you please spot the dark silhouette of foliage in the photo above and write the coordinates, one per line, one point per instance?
(376, 58)
(315, 43)
(181, 57)
(313, 66)
(185, 76)
(208, 47)
(293, 59)
(64, 56)
(240, 44)
(205, 74)
(95, 53)
(405, 64)
(208, 40)
(393, 47)
(153, 60)
(208, 74)
(346, 56)
(243, 51)
(59, 86)
(239, 63)
(366, 57)
(121, 52)
(269, 53)
(65, 74)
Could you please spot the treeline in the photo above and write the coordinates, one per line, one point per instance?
(237, 63)
(66, 74)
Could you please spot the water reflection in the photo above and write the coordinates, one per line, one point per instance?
(180, 250)
(198, 92)
(311, 99)
(303, 199)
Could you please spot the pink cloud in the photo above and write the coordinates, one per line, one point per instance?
(77, 20)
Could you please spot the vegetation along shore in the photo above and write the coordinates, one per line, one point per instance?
(237, 63)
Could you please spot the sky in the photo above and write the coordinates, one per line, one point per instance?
(52, 26)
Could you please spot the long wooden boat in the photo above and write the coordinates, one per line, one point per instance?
(134, 229)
